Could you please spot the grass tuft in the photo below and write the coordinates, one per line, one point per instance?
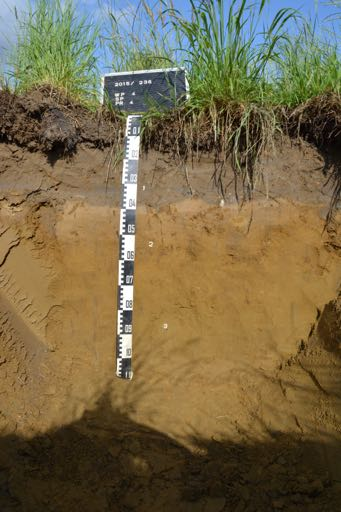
(225, 51)
(139, 39)
(56, 48)
(227, 56)
(308, 66)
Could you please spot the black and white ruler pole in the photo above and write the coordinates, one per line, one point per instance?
(126, 259)
(135, 91)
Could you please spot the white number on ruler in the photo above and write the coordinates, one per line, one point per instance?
(128, 328)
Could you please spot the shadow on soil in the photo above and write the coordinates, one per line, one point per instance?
(331, 156)
(106, 462)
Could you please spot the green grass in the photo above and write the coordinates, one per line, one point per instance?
(2, 79)
(56, 48)
(230, 56)
(138, 38)
(225, 50)
(309, 66)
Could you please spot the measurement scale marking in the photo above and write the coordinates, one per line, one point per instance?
(125, 294)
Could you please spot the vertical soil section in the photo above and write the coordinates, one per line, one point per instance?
(235, 403)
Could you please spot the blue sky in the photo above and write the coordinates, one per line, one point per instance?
(308, 7)
(94, 10)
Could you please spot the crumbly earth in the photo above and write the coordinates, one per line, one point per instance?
(235, 404)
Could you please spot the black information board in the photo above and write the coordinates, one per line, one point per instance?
(138, 91)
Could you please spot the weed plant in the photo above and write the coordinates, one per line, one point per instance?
(139, 38)
(225, 51)
(227, 55)
(56, 47)
(308, 66)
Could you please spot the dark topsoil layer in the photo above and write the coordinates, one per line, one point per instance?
(43, 120)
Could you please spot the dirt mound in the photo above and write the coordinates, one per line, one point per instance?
(235, 403)
(43, 120)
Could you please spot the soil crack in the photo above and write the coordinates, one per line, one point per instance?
(314, 379)
(7, 253)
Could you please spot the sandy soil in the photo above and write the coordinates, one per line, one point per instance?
(235, 403)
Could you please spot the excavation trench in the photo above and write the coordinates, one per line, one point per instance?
(236, 398)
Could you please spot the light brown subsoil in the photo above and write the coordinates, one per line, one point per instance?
(235, 403)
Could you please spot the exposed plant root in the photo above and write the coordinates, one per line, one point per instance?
(319, 122)
(239, 133)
